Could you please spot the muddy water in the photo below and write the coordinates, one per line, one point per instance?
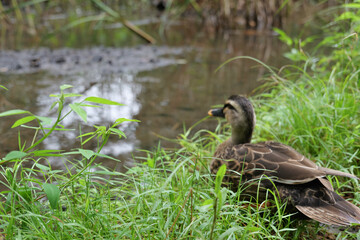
(176, 88)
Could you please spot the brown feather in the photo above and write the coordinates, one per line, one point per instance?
(298, 180)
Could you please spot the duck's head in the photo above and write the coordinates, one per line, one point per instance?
(240, 114)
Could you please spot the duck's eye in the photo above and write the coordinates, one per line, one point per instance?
(229, 106)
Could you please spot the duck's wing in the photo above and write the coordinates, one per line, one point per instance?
(281, 162)
(320, 203)
(342, 213)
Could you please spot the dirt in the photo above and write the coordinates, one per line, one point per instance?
(102, 60)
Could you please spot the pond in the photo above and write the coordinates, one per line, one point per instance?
(166, 86)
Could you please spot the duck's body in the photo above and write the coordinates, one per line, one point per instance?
(269, 165)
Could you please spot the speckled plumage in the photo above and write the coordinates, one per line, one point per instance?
(298, 180)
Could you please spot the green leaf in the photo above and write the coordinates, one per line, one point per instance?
(106, 156)
(252, 228)
(102, 101)
(1, 86)
(284, 37)
(108, 173)
(8, 202)
(13, 112)
(71, 153)
(83, 20)
(42, 167)
(47, 153)
(219, 177)
(308, 40)
(86, 134)
(88, 139)
(86, 153)
(23, 121)
(79, 111)
(88, 105)
(352, 5)
(150, 162)
(222, 196)
(25, 193)
(45, 120)
(100, 130)
(66, 95)
(121, 120)
(347, 15)
(14, 155)
(105, 8)
(135, 170)
(208, 202)
(72, 95)
(53, 194)
(53, 104)
(9, 175)
(118, 132)
(65, 86)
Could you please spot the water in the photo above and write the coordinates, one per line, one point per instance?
(164, 97)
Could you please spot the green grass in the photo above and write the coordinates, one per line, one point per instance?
(170, 194)
(313, 106)
(77, 19)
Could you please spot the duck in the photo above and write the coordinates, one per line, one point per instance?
(259, 167)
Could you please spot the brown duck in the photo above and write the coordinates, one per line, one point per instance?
(256, 167)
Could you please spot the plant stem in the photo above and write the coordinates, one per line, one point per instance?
(49, 132)
(214, 220)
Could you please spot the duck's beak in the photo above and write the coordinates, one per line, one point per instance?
(217, 112)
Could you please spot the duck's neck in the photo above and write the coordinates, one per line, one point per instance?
(241, 135)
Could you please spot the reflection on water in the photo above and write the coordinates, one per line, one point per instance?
(122, 88)
(163, 99)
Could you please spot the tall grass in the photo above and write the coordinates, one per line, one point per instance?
(167, 195)
(170, 194)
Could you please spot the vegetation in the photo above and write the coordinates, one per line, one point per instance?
(170, 194)
(76, 18)
(234, 14)
(52, 19)
(228, 13)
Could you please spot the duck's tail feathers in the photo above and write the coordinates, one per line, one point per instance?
(340, 213)
(329, 171)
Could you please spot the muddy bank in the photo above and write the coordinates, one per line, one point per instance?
(102, 60)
